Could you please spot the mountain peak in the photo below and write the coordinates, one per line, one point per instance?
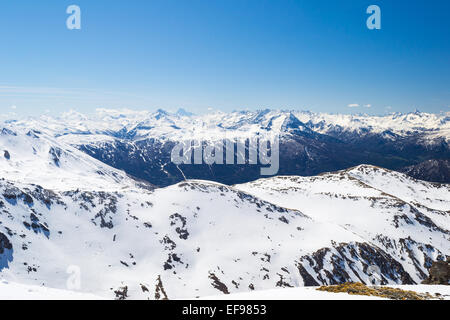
(6, 131)
(184, 113)
(160, 113)
(292, 123)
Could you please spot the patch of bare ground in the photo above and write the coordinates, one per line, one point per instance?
(358, 288)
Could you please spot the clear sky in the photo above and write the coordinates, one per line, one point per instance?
(225, 54)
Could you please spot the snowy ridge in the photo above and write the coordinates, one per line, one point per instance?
(200, 238)
(138, 125)
(431, 126)
(33, 157)
(406, 218)
(309, 143)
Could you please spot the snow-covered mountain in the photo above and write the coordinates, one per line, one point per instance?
(391, 211)
(140, 142)
(33, 157)
(430, 170)
(137, 125)
(427, 128)
(202, 238)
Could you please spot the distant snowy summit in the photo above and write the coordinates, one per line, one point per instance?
(140, 142)
(136, 125)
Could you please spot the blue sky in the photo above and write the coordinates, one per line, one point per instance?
(225, 54)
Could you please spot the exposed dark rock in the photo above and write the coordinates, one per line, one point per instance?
(283, 219)
(439, 273)
(7, 132)
(281, 283)
(144, 288)
(160, 292)
(168, 243)
(5, 251)
(349, 254)
(180, 222)
(55, 155)
(148, 225)
(171, 260)
(5, 244)
(121, 293)
(217, 284)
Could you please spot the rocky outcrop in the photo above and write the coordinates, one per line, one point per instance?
(439, 273)
(5, 251)
(342, 263)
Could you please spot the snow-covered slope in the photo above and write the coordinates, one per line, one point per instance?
(33, 157)
(187, 240)
(406, 218)
(431, 195)
(16, 291)
(200, 238)
(430, 127)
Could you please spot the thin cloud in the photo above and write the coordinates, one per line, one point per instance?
(368, 106)
(353, 105)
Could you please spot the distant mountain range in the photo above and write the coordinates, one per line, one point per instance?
(140, 142)
(430, 170)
